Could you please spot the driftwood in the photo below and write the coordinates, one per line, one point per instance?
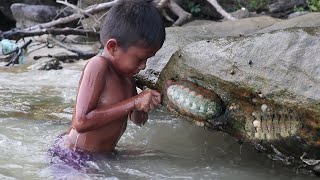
(284, 5)
(183, 16)
(220, 10)
(18, 34)
(78, 53)
(64, 58)
(47, 28)
(74, 50)
(90, 10)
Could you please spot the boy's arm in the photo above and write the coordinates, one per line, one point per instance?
(86, 114)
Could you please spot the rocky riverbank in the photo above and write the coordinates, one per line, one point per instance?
(266, 70)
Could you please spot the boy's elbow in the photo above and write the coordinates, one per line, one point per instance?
(79, 128)
(80, 125)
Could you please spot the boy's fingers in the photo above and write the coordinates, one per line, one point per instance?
(158, 99)
(155, 93)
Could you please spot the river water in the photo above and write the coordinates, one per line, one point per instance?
(36, 106)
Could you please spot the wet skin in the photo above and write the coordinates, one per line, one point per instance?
(107, 98)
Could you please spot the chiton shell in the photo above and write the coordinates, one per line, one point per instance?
(273, 125)
(194, 101)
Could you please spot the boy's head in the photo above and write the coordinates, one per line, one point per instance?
(134, 23)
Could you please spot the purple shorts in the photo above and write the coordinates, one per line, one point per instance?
(77, 158)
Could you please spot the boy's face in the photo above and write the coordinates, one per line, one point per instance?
(131, 61)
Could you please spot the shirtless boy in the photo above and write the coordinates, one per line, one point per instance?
(132, 32)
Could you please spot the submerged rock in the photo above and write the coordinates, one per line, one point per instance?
(46, 64)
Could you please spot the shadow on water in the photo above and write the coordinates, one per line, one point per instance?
(35, 107)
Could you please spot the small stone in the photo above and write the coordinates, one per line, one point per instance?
(256, 123)
(264, 107)
(199, 123)
(257, 127)
(316, 170)
(250, 63)
(260, 95)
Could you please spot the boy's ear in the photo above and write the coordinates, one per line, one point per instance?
(111, 46)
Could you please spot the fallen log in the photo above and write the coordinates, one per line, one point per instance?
(47, 28)
(284, 5)
(220, 10)
(65, 58)
(17, 34)
(90, 10)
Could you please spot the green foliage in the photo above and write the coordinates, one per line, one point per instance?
(253, 5)
(239, 4)
(193, 7)
(256, 5)
(299, 9)
(313, 5)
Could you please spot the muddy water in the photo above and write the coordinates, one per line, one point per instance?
(36, 106)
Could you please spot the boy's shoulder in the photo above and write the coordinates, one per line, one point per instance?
(97, 63)
(99, 60)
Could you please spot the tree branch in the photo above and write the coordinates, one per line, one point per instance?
(90, 10)
(64, 58)
(183, 16)
(220, 10)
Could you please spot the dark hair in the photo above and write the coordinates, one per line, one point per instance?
(134, 21)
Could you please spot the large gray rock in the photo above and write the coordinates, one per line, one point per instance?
(282, 64)
(269, 81)
(30, 15)
(5, 5)
(178, 37)
(308, 20)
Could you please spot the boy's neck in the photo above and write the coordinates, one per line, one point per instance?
(105, 55)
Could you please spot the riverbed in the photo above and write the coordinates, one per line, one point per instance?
(36, 106)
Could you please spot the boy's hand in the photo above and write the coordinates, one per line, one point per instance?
(147, 100)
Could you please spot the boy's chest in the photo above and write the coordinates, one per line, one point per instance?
(116, 90)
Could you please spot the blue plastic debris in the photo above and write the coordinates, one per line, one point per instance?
(8, 47)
